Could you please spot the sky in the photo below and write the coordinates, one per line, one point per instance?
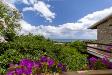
(61, 19)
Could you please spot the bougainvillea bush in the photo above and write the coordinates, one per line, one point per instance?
(34, 46)
(36, 67)
(98, 63)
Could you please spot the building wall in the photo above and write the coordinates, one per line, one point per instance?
(104, 32)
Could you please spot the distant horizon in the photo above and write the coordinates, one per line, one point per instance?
(74, 39)
(70, 40)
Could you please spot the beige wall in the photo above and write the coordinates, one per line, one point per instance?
(105, 32)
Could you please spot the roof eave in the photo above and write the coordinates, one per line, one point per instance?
(93, 26)
(100, 22)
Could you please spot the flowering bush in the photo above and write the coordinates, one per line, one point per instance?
(30, 67)
(104, 63)
(97, 63)
(34, 46)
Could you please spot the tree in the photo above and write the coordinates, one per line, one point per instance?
(9, 18)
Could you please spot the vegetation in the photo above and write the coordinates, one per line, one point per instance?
(34, 46)
(8, 21)
(79, 45)
(44, 65)
(97, 63)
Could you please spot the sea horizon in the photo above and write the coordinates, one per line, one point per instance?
(70, 40)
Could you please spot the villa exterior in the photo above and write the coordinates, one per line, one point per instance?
(104, 30)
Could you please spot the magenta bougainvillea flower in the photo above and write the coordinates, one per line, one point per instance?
(62, 67)
(93, 59)
(105, 61)
(43, 59)
(31, 67)
(93, 63)
(51, 62)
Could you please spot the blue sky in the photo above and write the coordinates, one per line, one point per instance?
(66, 10)
(62, 19)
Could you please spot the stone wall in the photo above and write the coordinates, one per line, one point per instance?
(104, 32)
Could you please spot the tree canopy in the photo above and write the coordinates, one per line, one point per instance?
(9, 18)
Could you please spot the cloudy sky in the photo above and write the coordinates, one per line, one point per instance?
(61, 19)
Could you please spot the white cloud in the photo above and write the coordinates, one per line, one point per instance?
(62, 31)
(25, 2)
(33, 1)
(38, 6)
(71, 30)
(28, 9)
(75, 30)
(92, 18)
(27, 28)
(43, 9)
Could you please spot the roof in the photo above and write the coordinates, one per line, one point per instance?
(94, 26)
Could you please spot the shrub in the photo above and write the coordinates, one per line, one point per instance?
(97, 63)
(44, 65)
(32, 47)
(79, 45)
(73, 59)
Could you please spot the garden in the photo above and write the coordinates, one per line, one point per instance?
(35, 55)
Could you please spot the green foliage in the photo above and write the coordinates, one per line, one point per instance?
(9, 56)
(33, 47)
(72, 58)
(14, 56)
(99, 65)
(79, 45)
(10, 17)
